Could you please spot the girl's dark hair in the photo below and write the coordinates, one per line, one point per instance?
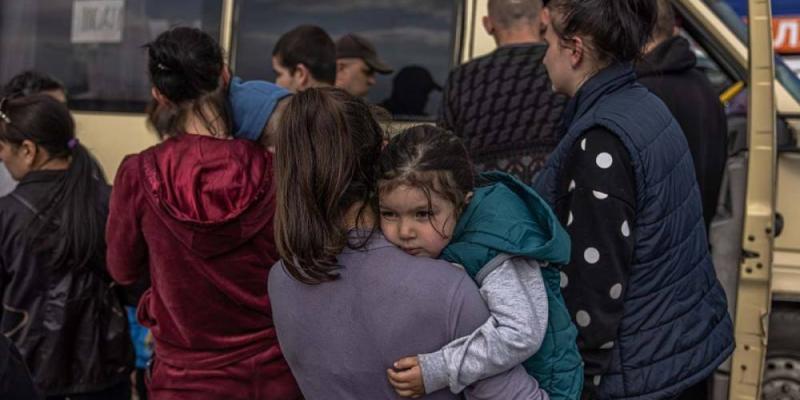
(186, 66)
(326, 153)
(31, 82)
(69, 224)
(618, 29)
(430, 159)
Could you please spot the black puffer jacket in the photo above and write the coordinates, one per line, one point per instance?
(670, 72)
(70, 327)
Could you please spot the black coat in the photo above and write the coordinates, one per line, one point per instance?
(670, 72)
(15, 380)
(70, 327)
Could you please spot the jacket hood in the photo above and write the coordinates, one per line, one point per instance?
(509, 217)
(671, 56)
(212, 194)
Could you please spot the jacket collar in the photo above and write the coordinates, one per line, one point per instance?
(608, 80)
(41, 176)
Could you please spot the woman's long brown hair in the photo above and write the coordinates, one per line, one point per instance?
(326, 155)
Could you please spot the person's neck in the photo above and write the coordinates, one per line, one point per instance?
(54, 164)
(359, 216)
(196, 125)
(316, 84)
(650, 46)
(517, 37)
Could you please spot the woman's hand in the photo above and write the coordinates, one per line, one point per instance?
(406, 377)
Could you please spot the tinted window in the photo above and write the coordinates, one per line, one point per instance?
(405, 33)
(94, 46)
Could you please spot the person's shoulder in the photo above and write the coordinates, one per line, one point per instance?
(429, 271)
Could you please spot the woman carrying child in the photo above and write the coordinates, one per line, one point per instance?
(196, 213)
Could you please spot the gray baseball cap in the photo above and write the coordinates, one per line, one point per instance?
(355, 46)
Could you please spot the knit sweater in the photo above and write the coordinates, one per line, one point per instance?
(504, 108)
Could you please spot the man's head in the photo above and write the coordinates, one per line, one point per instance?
(513, 21)
(357, 63)
(666, 25)
(304, 57)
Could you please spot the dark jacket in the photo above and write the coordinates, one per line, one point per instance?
(69, 326)
(676, 329)
(503, 106)
(670, 72)
(197, 212)
(15, 380)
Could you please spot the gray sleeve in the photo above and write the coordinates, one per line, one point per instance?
(515, 295)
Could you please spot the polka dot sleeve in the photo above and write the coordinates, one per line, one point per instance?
(597, 205)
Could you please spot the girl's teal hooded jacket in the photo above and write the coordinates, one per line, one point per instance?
(504, 218)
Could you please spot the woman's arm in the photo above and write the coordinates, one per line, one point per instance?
(127, 250)
(515, 295)
(599, 213)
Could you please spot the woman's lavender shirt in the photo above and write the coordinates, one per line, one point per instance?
(340, 337)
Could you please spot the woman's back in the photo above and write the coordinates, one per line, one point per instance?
(59, 305)
(54, 315)
(204, 210)
(340, 337)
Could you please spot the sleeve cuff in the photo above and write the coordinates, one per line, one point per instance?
(434, 371)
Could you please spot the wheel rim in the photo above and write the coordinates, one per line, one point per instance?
(782, 379)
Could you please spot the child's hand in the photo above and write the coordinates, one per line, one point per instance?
(406, 377)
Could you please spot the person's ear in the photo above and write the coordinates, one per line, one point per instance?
(226, 75)
(160, 98)
(28, 150)
(468, 198)
(577, 52)
(303, 76)
(488, 25)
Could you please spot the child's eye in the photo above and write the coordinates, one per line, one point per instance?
(424, 214)
(388, 215)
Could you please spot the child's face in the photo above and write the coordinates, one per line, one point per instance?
(408, 223)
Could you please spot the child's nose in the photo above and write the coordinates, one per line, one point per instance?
(406, 230)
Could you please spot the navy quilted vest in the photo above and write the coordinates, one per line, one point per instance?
(676, 329)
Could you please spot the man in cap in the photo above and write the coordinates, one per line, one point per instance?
(357, 63)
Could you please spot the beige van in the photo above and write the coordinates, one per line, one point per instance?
(95, 48)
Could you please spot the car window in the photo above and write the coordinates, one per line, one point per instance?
(736, 24)
(94, 46)
(410, 35)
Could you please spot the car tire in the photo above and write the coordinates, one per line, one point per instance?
(782, 372)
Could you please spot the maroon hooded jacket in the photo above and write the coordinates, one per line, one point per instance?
(198, 212)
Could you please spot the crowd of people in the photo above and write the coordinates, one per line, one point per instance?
(545, 239)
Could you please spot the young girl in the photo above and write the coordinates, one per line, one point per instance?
(60, 307)
(196, 212)
(506, 238)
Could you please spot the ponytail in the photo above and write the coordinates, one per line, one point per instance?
(81, 224)
(68, 223)
(326, 153)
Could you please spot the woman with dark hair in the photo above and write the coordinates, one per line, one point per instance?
(196, 212)
(346, 302)
(60, 307)
(33, 82)
(651, 315)
(25, 84)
